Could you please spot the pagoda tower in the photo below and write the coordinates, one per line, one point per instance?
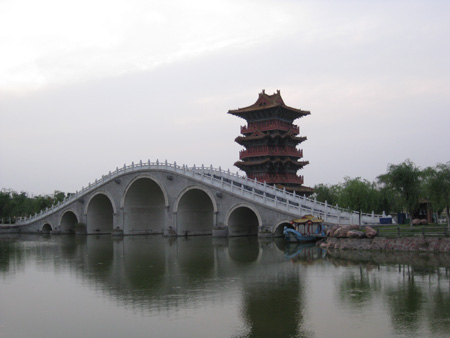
(270, 140)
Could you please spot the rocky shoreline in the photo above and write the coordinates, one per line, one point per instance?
(351, 238)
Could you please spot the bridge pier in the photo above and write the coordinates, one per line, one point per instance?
(221, 230)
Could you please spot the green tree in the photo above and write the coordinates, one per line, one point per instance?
(58, 196)
(405, 179)
(13, 204)
(437, 187)
(360, 195)
(328, 193)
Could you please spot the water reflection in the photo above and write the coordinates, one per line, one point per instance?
(252, 287)
(417, 296)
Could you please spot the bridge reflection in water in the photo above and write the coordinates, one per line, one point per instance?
(214, 287)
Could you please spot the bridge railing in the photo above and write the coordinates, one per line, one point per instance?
(287, 201)
(258, 192)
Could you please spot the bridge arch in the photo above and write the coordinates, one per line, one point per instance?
(68, 221)
(46, 228)
(195, 211)
(100, 211)
(243, 220)
(279, 227)
(144, 204)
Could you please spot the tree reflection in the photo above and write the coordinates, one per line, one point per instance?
(357, 289)
(405, 302)
(275, 309)
(11, 255)
(439, 314)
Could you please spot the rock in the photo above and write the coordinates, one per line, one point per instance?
(333, 230)
(416, 221)
(341, 232)
(423, 221)
(370, 232)
(355, 234)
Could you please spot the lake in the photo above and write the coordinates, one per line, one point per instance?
(152, 286)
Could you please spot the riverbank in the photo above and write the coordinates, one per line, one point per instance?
(420, 244)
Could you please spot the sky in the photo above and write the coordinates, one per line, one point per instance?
(89, 85)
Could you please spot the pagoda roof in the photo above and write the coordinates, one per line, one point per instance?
(265, 102)
(257, 135)
(299, 164)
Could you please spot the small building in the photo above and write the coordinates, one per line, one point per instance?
(270, 140)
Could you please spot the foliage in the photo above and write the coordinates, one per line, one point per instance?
(358, 195)
(399, 189)
(329, 193)
(13, 204)
(354, 194)
(437, 187)
(405, 179)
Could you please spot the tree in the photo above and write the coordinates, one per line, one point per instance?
(13, 204)
(354, 194)
(437, 187)
(405, 179)
(328, 193)
(357, 194)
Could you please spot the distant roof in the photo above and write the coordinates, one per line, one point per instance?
(268, 101)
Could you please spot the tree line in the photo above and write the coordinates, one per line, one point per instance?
(14, 204)
(401, 189)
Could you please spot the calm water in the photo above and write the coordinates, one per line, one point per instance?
(77, 286)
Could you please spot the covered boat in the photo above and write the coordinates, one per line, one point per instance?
(305, 229)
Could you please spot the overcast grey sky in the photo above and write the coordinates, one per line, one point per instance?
(88, 85)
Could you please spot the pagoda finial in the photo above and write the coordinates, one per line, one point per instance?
(263, 91)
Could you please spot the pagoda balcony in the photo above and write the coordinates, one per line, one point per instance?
(269, 125)
(277, 178)
(270, 151)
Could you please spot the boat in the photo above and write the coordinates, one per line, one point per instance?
(312, 227)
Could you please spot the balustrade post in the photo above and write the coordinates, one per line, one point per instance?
(175, 164)
(149, 162)
(124, 167)
(132, 164)
(165, 163)
(157, 163)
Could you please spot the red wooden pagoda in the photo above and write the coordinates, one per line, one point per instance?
(270, 139)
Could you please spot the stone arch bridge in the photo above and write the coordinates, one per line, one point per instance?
(164, 198)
